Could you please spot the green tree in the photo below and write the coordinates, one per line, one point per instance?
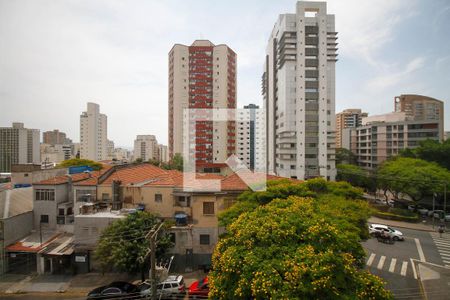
(175, 164)
(431, 150)
(345, 156)
(77, 162)
(294, 248)
(138, 160)
(122, 244)
(356, 176)
(414, 177)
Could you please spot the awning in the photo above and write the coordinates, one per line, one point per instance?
(63, 245)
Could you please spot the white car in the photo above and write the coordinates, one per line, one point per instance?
(172, 287)
(394, 233)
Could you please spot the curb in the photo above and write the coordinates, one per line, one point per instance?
(403, 226)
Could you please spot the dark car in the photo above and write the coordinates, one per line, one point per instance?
(117, 289)
(199, 288)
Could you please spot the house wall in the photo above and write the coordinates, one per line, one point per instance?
(17, 227)
(48, 207)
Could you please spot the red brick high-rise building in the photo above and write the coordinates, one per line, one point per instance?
(202, 76)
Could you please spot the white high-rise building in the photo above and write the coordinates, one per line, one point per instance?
(18, 145)
(163, 153)
(299, 93)
(250, 136)
(146, 148)
(93, 134)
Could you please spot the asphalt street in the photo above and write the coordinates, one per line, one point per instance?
(393, 262)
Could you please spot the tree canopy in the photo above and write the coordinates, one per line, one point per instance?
(431, 150)
(123, 243)
(356, 176)
(295, 241)
(78, 162)
(414, 177)
(345, 156)
(175, 164)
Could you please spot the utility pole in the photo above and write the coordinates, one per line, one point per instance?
(152, 234)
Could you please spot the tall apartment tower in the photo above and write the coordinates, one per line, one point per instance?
(163, 153)
(18, 145)
(202, 76)
(298, 88)
(422, 108)
(250, 127)
(348, 118)
(93, 133)
(146, 148)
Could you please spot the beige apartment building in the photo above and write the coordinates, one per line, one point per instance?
(55, 137)
(422, 108)
(93, 134)
(146, 148)
(382, 136)
(349, 118)
(18, 145)
(202, 76)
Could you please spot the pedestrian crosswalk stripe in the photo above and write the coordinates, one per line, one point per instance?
(370, 260)
(404, 268)
(392, 266)
(445, 245)
(443, 251)
(381, 262)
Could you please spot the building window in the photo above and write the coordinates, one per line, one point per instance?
(45, 195)
(208, 208)
(204, 239)
(44, 219)
(158, 197)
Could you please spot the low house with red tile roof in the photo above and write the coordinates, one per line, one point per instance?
(193, 201)
(85, 203)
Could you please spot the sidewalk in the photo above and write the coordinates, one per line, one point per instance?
(400, 224)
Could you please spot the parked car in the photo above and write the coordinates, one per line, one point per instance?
(422, 211)
(439, 214)
(383, 202)
(116, 289)
(199, 288)
(447, 218)
(394, 233)
(172, 287)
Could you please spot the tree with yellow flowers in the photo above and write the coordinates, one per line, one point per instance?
(295, 246)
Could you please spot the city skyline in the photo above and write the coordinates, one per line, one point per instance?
(106, 54)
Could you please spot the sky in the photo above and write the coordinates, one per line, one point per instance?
(55, 56)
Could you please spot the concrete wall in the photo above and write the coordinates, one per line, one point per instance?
(17, 227)
(88, 228)
(36, 176)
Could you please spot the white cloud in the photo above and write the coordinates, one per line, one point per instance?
(392, 78)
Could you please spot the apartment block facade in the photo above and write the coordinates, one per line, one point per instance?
(298, 88)
(18, 145)
(250, 137)
(422, 108)
(202, 76)
(55, 137)
(383, 136)
(146, 148)
(349, 118)
(163, 153)
(93, 133)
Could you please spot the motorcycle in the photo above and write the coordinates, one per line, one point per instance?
(383, 238)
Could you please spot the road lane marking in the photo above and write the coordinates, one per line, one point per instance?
(381, 262)
(419, 249)
(392, 266)
(370, 260)
(404, 268)
(413, 266)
